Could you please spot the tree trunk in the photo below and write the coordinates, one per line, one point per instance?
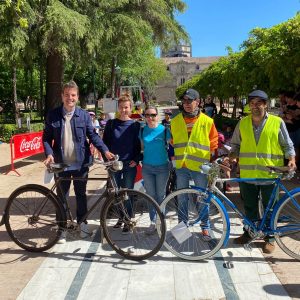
(54, 80)
(40, 104)
(15, 100)
(113, 77)
(235, 99)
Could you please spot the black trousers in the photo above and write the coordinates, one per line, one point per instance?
(79, 189)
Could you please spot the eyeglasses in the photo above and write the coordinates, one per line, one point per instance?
(187, 101)
(150, 115)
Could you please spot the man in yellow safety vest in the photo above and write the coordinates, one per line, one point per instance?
(194, 139)
(259, 140)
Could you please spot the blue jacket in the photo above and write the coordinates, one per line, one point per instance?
(83, 134)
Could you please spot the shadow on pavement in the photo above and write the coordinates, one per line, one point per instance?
(22, 163)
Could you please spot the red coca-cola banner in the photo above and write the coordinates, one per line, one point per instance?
(27, 144)
(23, 145)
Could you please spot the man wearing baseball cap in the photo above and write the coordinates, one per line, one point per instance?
(195, 137)
(259, 140)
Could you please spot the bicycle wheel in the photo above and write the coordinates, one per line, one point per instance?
(184, 224)
(33, 218)
(287, 225)
(139, 243)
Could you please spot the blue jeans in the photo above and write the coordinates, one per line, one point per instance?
(184, 175)
(79, 188)
(155, 181)
(125, 179)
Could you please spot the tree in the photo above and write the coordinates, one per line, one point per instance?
(268, 60)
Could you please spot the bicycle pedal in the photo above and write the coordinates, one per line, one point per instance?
(248, 247)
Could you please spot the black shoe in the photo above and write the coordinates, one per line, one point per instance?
(118, 224)
(243, 239)
(126, 229)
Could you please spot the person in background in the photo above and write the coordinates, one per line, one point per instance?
(282, 103)
(138, 108)
(167, 120)
(155, 170)
(210, 108)
(102, 121)
(259, 140)
(65, 141)
(167, 123)
(121, 135)
(96, 153)
(195, 138)
(293, 117)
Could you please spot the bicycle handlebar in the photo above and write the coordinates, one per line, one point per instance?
(114, 164)
(212, 169)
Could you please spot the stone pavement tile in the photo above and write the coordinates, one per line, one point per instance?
(49, 283)
(254, 290)
(151, 282)
(106, 282)
(197, 281)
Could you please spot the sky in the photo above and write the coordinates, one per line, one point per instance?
(215, 24)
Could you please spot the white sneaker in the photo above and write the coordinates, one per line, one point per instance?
(151, 229)
(63, 238)
(84, 230)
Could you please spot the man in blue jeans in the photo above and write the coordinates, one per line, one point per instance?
(195, 137)
(65, 141)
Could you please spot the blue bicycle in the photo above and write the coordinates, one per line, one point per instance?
(189, 211)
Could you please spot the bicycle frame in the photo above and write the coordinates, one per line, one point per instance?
(110, 182)
(264, 225)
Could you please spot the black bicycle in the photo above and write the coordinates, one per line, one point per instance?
(35, 217)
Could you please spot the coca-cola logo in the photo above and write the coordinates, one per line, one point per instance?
(34, 144)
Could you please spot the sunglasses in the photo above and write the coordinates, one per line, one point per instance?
(150, 115)
(189, 101)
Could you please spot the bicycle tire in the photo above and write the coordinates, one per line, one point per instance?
(33, 218)
(137, 244)
(286, 223)
(193, 246)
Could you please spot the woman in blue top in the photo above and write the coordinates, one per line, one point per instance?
(154, 138)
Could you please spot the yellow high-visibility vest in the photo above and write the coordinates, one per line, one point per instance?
(195, 150)
(255, 157)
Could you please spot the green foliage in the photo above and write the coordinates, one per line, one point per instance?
(8, 130)
(86, 35)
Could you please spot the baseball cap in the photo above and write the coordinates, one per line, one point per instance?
(168, 112)
(258, 94)
(191, 94)
(91, 113)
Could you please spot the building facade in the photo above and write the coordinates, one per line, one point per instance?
(180, 70)
(181, 50)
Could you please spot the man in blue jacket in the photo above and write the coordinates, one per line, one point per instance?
(67, 129)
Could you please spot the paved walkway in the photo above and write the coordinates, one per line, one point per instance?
(84, 269)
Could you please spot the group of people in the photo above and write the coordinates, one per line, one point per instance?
(290, 113)
(258, 140)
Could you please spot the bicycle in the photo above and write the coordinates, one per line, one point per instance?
(35, 218)
(184, 239)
